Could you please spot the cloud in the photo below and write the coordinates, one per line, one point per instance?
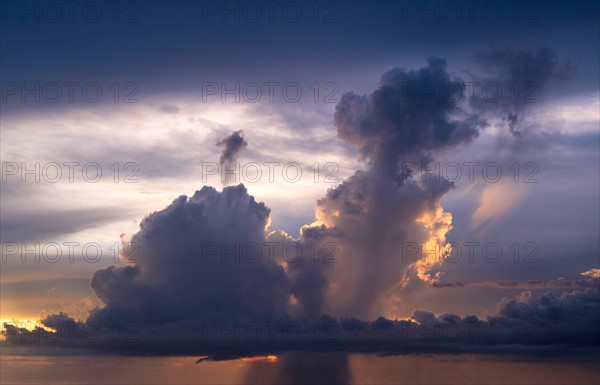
(566, 310)
(26, 225)
(591, 280)
(523, 77)
(369, 218)
(365, 219)
(592, 273)
(523, 325)
(406, 116)
(537, 66)
(232, 146)
(191, 264)
(495, 200)
(374, 211)
(193, 286)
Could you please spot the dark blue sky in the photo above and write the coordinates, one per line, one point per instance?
(175, 46)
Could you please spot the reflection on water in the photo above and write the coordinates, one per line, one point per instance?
(296, 368)
(302, 368)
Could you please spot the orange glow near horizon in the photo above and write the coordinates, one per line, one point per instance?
(269, 358)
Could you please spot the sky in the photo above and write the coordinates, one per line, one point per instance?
(177, 172)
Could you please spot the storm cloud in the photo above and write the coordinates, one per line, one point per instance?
(189, 264)
(373, 212)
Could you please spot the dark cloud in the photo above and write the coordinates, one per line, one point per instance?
(524, 325)
(551, 310)
(538, 66)
(188, 267)
(523, 78)
(232, 146)
(307, 274)
(408, 115)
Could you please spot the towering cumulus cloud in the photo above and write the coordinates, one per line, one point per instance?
(188, 265)
(376, 212)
